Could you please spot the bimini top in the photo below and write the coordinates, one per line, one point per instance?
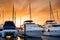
(9, 25)
(28, 21)
(50, 21)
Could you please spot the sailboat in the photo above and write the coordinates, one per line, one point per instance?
(51, 28)
(58, 17)
(9, 27)
(31, 29)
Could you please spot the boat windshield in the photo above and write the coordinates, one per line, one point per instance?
(32, 25)
(9, 25)
(56, 25)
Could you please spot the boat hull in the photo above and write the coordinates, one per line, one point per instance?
(52, 34)
(36, 33)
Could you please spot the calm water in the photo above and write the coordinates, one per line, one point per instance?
(43, 38)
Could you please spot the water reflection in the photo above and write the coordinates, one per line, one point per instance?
(12, 38)
(7, 38)
(33, 39)
(43, 38)
(50, 38)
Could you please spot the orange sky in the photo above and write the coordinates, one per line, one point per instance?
(40, 10)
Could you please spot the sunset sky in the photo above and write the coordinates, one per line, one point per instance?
(40, 10)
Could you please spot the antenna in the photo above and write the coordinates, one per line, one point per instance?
(51, 11)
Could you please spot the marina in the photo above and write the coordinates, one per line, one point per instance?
(29, 20)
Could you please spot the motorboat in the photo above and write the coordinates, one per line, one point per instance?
(51, 29)
(31, 30)
(9, 29)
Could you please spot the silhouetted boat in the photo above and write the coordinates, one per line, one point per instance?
(9, 29)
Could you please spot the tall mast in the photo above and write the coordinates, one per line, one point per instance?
(13, 13)
(57, 17)
(51, 11)
(15, 17)
(29, 4)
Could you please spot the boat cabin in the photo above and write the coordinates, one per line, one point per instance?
(9, 25)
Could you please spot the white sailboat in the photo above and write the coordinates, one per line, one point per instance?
(9, 27)
(31, 29)
(51, 27)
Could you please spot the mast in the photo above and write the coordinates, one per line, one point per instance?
(15, 17)
(29, 4)
(13, 13)
(51, 11)
(58, 17)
